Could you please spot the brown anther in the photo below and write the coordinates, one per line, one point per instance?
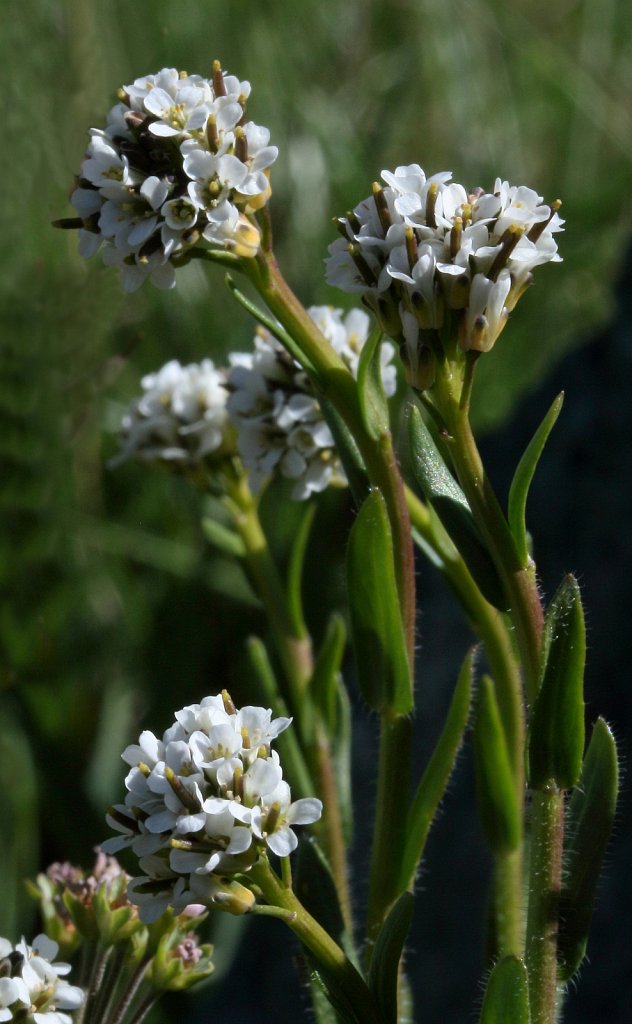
(431, 202)
(272, 818)
(466, 214)
(354, 223)
(538, 228)
(241, 145)
(122, 96)
(508, 243)
(455, 236)
(229, 707)
(341, 226)
(381, 206)
(219, 86)
(412, 249)
(212, 137)
(144, 769)
(189, 800)
(238, 783)
(362, 266)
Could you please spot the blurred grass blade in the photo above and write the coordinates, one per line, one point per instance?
(18, 812)
(376, 625)
(325, 681)
(589, 822)
(519, 490)
(373, 401)
(556, 734)
(507, 994)
(446, 497)
(496, 797)
(295, 570)
(387, 954)
(223, 538)
(435, 778)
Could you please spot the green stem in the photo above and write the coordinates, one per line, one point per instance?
(338, 971)
(544, 892)
(389, 833)
(489, 625)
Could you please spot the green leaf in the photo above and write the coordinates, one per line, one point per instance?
(436, 776)
(376, 626)
(295, 570)
(347, 449)
(556, 735)
(507, 994)
(519, 490)
(588, 826)
(387, 953)
(446, 497)
(373, 403)
(496, 795)
(325, 680)
(223, 538)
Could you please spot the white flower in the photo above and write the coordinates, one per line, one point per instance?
(415, 248)
(280, 425)
(176, 166)
(204, 800)
(32, 985)
(180, 418)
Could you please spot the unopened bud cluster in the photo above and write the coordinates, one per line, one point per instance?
(176, 165)
(280, 424)
(421, 249)
(203, 802)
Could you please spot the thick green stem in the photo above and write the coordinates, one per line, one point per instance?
(338, 971)
(392, 803)
(508, 904)
(547, 836)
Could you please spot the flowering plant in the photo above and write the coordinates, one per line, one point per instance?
(178, 174)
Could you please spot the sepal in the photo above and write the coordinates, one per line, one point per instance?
(373, 403)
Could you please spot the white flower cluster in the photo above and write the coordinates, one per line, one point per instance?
(180, 417)
(280, 425)
(202, 802)
(421, 246)
(177, 163)
(31, 984)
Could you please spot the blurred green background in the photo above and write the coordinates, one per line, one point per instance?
(113, 609)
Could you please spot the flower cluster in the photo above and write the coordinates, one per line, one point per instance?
(180, 418)
(421, 247)
(280, 424)
(202, 803)
(177, 164)
(32, 987)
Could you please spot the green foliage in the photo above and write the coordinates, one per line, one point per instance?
(447, 499)
(498, 806)
(507, 994)
(589, 821)
(376, 625)
(387, 954)
(556, 734)
(519, 490)
(370, 388)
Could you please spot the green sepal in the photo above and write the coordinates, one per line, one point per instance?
(373, 403)
(377, 632)
(496, 795)
(168, 972)
(295, 570)
(223, 538)
(347, 450)
(325, 681)
(436, 776)
(386, 956)
(519, 490)
(556, 734)
(82, 916)
(507, 994)
(588, 825)
(449, 502)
